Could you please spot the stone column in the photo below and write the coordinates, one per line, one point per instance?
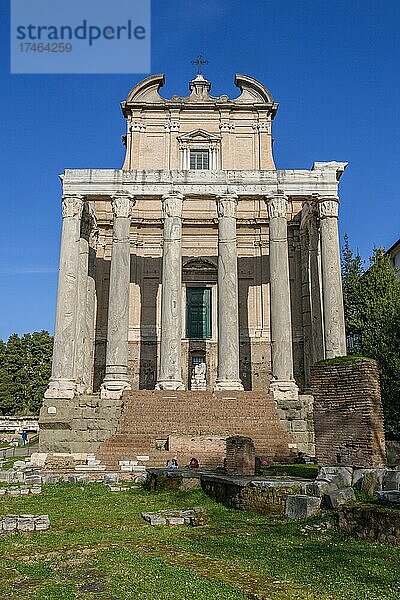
(170, 373)
(62, 382)
(91, 305)
(228, 302)
(116, 377)
(281, 320)
(86, 223)
(334, 328)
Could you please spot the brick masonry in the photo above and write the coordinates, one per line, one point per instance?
(165, 424)
(348, 416)
(240, 456)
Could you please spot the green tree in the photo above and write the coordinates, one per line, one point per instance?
(25, 367)
(372, 314)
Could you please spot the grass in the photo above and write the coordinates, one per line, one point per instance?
(291, 470)
(98, 547)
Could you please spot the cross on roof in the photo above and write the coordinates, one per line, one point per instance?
(199, 62)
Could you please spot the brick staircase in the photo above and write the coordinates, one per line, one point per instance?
(162, 424)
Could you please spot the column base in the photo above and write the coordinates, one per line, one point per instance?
(169, 384)
(284, 390)
(113, 389)
(61, 388)
(228, 385)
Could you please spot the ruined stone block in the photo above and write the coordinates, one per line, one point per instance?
(339, 498)
(301, 506)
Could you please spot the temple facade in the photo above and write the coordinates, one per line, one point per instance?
(198, 265)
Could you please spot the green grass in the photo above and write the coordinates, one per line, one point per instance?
(98, 547)
(291, 470)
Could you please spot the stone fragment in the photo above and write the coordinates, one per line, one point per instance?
(3, 491)
(371, 483)
(139, 478)
(10, 523)
(42, 522)
(200, 518)
(32, 479)
(36, 489)
(339, 497)
(25, 523)
(51, 478)
(190, 483)
(24, 491)
(391, 480)
(389, 497)
(175, 521)
(301, 506)
(157, 520)
(340, 476)
(19, 464)
(111, 478)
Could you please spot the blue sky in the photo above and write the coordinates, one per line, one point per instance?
(331, 65)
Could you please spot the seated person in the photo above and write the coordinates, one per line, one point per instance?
(172, 464)
(193, 463)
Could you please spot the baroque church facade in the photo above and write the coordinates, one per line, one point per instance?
(198, 266)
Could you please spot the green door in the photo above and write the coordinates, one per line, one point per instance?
(198, 312)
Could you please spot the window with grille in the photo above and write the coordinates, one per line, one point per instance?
(199, 159)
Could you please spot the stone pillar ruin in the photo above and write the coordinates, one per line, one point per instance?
(62, 382)
(281, 320)
(116, 377)
(334, 328)
(228, 302)
(170, 373)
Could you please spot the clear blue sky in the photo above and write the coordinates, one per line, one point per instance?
(333, 66)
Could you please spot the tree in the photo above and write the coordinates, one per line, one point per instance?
(25, 368)
(372, 314)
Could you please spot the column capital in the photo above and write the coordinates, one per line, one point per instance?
(328, 207)
(72, 206)
(172, 204)
(277, 204)
(122, 204)
(226, 204)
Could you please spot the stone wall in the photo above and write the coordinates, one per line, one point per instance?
(369, 522)
(240, 456)
(348, 416)
(77, 425)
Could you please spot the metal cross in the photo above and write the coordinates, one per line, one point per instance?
(199, 62)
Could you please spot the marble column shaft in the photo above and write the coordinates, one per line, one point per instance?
(116, 377)
(170, 372)
(62, 382)
(334, 327)
(281, 320)
(228, 303)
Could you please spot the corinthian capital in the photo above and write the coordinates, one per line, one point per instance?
(72, 206)
(172, 204)
(226, 205)
(122, 205)
(277, 205)
(328, 207)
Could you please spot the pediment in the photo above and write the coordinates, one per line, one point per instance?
(199, 135)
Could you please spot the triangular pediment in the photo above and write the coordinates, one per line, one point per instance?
(199, 135)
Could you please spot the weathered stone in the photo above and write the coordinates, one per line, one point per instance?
(25, 523)
(339, 476)
(175, 521)
(190, 483)
(391, 480)
(10, 523)
(42, 522)
(393, 453)
(110, 478)
(301, 506)
(339, 498)
(389, 497)
(51, 478)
